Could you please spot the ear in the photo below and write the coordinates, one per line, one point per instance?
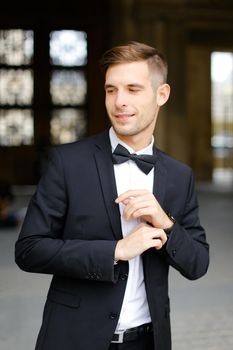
(163, 93)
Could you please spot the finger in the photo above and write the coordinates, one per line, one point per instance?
(140, 201)
(147, 232)
(158, 244)
(130, 193)
(155, 242)
(136, 213)
(161, 235)
(132, 212)
(145, 205)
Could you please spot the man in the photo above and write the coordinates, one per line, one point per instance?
(109, 217)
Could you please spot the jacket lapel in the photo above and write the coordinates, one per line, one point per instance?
(160, 179)
(159, 190)
(103, 158)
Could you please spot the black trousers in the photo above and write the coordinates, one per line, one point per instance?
(144, 342)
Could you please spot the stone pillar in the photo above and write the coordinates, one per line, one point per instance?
(199, 110)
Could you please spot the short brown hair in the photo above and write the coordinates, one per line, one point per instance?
(134, 52)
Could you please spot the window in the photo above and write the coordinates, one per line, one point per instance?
(66, 88)
(222, 113)
(68, 85)
(16, 87)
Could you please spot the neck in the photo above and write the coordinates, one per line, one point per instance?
(136, 142)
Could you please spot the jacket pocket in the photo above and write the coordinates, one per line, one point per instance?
(64, 298)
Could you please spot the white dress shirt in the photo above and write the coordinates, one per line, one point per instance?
(134, 311)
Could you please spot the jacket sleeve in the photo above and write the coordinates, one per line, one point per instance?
(41, 246)
(187, 249)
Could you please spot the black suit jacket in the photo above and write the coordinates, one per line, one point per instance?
(71, 230)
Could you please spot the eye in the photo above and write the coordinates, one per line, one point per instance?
(134, 89)
(109, 90)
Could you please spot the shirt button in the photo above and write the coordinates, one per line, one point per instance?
(112, 316)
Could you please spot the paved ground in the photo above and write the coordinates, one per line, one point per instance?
(202, 311)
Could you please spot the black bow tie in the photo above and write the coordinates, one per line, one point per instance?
(145, 162)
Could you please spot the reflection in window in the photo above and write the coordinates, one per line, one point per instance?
(16, 127)
(16, 86)
(68, 87)
(67, 125)
(68, 48)
(16, 47)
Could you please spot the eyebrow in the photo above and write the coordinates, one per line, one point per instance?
(132, 85)
(137, 85)
(108, 86)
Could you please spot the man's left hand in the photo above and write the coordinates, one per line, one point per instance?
(142, 204)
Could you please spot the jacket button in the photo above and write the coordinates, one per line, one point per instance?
(174, 253)
(123, 277)
(89, 276)
(112, 316)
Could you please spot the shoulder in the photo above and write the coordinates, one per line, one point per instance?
(179, 176)
(81, 148)
(171, 164)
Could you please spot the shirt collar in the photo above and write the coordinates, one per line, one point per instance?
(115, 141)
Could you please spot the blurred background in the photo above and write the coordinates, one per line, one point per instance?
(51, 92)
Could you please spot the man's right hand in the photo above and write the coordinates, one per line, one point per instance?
(139, 240)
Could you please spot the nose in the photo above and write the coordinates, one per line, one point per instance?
(120, 99)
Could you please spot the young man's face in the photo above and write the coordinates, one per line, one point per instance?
(131, 101)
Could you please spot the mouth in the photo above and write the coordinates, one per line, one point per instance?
(123, 116)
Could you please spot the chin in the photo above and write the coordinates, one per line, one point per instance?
(123, 131)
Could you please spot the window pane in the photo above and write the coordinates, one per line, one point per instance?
(16, 47)
(67, 125)
(16, 127)
(68, 87)
(222, 115)
(68, 48)
(16, 87)
(222, 88)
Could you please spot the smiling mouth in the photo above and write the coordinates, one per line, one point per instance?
(123, 115)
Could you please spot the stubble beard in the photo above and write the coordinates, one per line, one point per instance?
(133, 130)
